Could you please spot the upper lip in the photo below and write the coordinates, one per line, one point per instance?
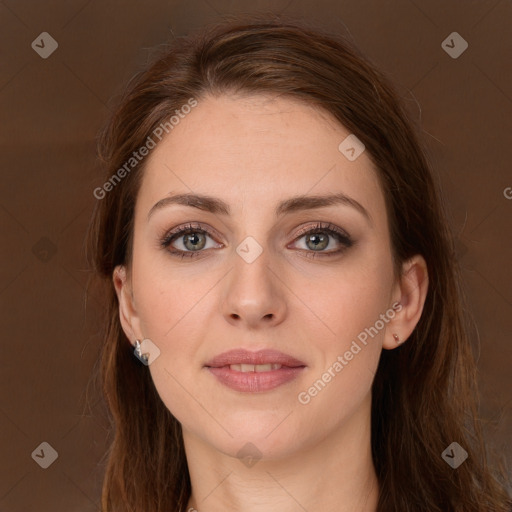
(242, 356)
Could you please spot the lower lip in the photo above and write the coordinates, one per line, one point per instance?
(253, 382)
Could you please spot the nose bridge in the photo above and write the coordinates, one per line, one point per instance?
(253, 292)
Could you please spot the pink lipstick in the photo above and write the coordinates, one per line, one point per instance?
(247, 371)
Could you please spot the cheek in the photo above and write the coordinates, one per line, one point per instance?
(350, 306)
(172, 305)
(168, 296)
(350, 298)
(341, 381)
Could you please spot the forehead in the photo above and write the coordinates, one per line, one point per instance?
(257, 150)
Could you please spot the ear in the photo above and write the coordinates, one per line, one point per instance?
(410, 293)
(127, 312)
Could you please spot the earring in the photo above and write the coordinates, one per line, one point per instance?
(138, 352)
(395, 336)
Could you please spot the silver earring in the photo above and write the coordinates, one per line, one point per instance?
(138, 352)
(395, 336)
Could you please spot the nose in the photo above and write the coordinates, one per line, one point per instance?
(254, 294)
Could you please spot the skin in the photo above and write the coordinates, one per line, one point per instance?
(267, 149)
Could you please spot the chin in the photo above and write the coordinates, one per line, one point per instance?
(253, 434)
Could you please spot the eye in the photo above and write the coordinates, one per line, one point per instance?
(191, 240)
(187, 241)
(320, 237)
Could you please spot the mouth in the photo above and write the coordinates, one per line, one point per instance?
(247, 371)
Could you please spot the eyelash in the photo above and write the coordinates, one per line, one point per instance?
(341, 236)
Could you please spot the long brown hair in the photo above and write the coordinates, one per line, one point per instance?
(424, 392)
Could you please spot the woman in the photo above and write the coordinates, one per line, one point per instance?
(285, 327)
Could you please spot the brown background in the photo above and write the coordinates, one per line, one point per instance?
(51, 110)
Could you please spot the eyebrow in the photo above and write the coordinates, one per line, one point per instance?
(293, 204)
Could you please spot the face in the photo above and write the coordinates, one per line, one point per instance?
(308, 286)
